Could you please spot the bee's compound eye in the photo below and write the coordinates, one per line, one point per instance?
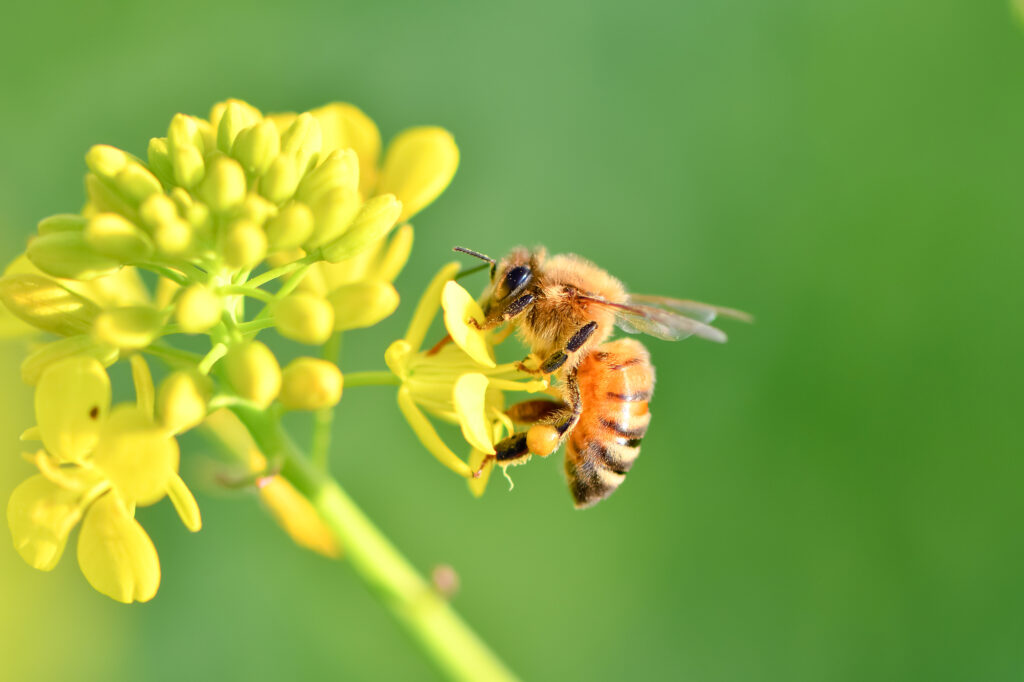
(515, 278)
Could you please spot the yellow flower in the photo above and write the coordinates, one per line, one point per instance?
(457, 382)
(96, 466)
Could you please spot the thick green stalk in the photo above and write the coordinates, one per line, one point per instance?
(437, 628)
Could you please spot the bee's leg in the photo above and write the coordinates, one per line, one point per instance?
(555, 361)
(534, 411)
(513, 309)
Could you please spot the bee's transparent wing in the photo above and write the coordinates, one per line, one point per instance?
(704, 312)
(635, 318)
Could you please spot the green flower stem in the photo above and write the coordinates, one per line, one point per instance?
(320, 447)
(379, 378)
(430, 620)
(171, 355)
(163, 271)
(248, 291)
(215, 354)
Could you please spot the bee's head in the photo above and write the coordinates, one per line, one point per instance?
(509, 278)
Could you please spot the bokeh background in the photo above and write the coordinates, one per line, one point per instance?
(834, 495)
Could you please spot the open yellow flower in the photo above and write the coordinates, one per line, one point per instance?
(96, 466)
(457, 382)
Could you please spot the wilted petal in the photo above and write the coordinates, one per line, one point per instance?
(41, 514)
(115, 554)
(294, 513)
(459, 309)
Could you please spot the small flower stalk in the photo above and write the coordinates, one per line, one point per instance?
(249, 222)
(236, 235)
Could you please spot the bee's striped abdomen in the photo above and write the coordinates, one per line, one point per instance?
(616, 381)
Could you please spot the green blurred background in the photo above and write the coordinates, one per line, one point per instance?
(834, 495)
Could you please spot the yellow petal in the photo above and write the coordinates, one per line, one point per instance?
(41, 514)
(428, 436)
(184, 503)
(115, 554)
(395, 255)
(72, 401)
(345, 126)
(136, 455)
(419, 164)
(426, 309)
(468, 398)
(459, 308)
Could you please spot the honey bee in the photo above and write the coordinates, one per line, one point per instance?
(565, 308)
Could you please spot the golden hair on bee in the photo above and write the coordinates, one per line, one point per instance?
(566, 308)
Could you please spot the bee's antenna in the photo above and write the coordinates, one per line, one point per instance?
(477, 254)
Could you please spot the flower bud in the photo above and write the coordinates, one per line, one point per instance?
(128, 328)
(160, 160)
(374, 221)
(253, 372)
(114, 236)
(185, 148)
(33, 366)
(62, 222)
(103, 198)
(198, 309)
(236, 117)
(333, 213)
(302, 140)
(304, 318)
(106, 161)
(67, 254)
(158, 208)
(256, 208)
(290, 228)
(419, 164)
(345, 126)
(224, 186)
(280, 179)
(256, 147)
(339, 169)
(46, 305)
(310, 384)
(362, 304)
(136, 183)
(244, 244)
(173, 237)
(182, 399)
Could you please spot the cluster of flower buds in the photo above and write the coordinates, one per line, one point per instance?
(233, 224)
